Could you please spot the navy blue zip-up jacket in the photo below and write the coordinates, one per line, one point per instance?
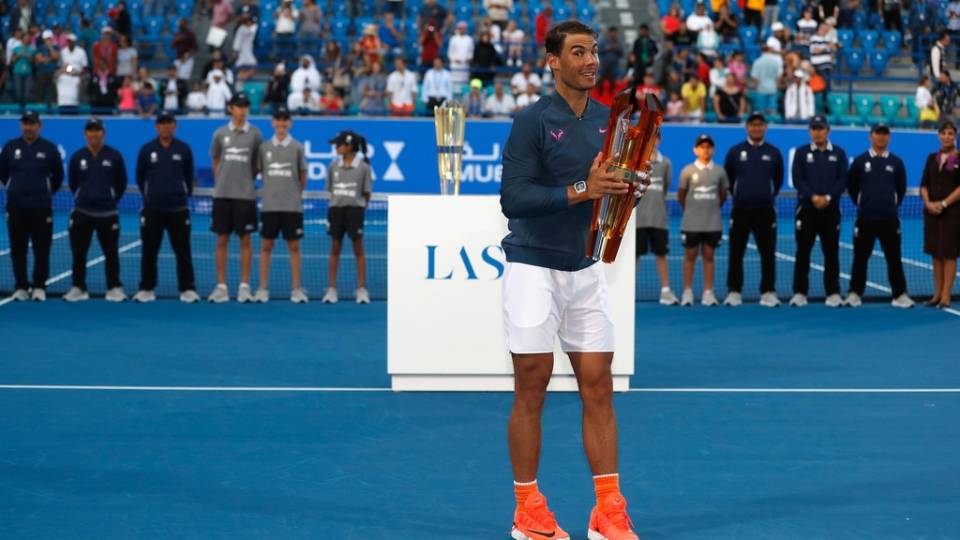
(32, 172)
(819, 172)
(165, 175)
(755, 173)
(549, 148)
(97, 181)
(877, 184)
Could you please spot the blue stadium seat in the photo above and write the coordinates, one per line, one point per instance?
(845, 38)
(172, 21)
(586, 12)
(339, 9)
(789, 19)
(878, 61)
(855, 59)
(340, 25)
(890, 105)
(876, 21)
(891, 42)
(869, 39)
(748, 34)
(860, 20)
(562, 12)
(63, 8)
(88, 8)
(839, 103)
(153, 26)
(184, 9)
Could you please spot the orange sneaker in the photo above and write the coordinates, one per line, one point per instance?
(609, 520)
(534, 521)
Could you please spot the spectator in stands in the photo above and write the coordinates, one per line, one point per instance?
(370, 46)
(753, 13)
(682, 62)
(738, 68)
(791, 63)
(475, 99)
(675, 110)
(729, 102)
(22, 62)
(373, 88)
(47, 61)
(649, 86)
(953, 16)
(218, 93)
(459, 54)
(395, 7)
(126, 58)
(674, 84)
(806, 27)
(437, 86)
(391, 38)
(21, 17)
(147, 102)
(331, 102)
(498, 11)
(531, 96)
(243, 39)
(828, 9)
(174, 91)
(500, 104)
(524, 78)
(485, 60)
(694, 94)
(702, 192)
(496, 34)
(248, 8)
(605, 90)
(401, 89)
(311, 20)
(542, 24)
(184, 47)
(196, 100)
(929, 109)
(127, 96)
(940, 191)
(642, 54)
(771, 12)
(823, 52)
(947, 94)
(683, 37)
(14, 41)
(59, 36)
(847, 9)
(121, 18)
(798, 103)
(88, 37)
(103, 89)
(431, 39)
(513, 40)
(890, 11)
(431, 14)
(222, 14)
(670, 23)
(708, 40)
(765, 72)
(610, 50)
(106, 49)
(779, 36)
(143, 77)
(718, 76)
(275, 94)
(285, 18)
(68, 90)
(3, 72)
(937, 59)
(727, 25)
(698, 19)
(305, 76)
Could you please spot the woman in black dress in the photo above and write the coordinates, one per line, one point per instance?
(940, 191)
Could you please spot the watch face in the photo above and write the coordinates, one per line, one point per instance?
(580, 186)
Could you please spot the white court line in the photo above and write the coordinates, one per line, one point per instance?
(55, 237)
(336, 389)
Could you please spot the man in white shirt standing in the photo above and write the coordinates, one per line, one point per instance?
(526, 77)
(531, 96)
(304, 102)
(460, 54)
(401, 89)
(72, 55)
(218, 93)
(500, 104)
(437, 86)
(68, 90)
(699, 18)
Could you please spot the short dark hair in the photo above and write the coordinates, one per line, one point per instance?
(945, 125)
(942, 34)
(558, 34)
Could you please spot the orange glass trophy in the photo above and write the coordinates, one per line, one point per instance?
(631, 146)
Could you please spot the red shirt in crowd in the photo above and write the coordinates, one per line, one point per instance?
(604, 92)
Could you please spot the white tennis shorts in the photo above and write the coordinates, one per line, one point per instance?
(540, 304)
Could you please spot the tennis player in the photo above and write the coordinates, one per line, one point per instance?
(350, 182)
(702, 191)
(284, 167)
(32, 171)
(234, 152)
(552, 169)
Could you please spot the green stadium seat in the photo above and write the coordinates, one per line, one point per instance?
(890, 105)
(863, 106)
(10, 108)
(254, 91)
(839, 104)
(38, 107)
(912, 120)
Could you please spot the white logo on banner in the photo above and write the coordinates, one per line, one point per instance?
(393, 174)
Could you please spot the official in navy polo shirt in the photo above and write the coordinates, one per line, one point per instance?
(97, 179)
(877, 183)
(32, 171)
(820, 176)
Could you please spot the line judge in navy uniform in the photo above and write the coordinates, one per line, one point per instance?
(551, 174)
(877, 183)
(32, 171)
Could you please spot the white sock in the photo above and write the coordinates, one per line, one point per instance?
(242, 284)
(664, 289)
(221, 285)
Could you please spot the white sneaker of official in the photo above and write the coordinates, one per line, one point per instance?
(143, 297)
(769, 299)
(667, 298)
(244, 294)
(262, 296)
(903, 302)
(219, 295)
(188, 296)
(798, 300)
(687, 298)
(299, 296)
(20, 295)
(733, 299)
(853, 300)
(833, 301)
(76, 294)
(330, 297)
(709, 298)
(115, 294)
(362, 296)
(39, 295)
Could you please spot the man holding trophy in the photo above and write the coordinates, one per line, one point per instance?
(567, 202)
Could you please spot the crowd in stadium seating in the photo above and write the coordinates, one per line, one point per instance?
(709, 61)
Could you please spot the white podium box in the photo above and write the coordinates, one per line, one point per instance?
(444, 317)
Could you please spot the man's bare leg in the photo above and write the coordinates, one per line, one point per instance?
(595, 380)
(531, 376)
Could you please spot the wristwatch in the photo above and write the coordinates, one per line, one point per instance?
(580, 187)
(828, 198)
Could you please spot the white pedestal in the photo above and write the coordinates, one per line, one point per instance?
(444, 320)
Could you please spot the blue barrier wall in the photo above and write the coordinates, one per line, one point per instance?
(402, 152)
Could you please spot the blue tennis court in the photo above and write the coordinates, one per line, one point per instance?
(224, 422)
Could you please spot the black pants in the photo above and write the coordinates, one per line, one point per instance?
(82, 227)
(762, 222)
(893, 21)
(25, 226)
(753, 17)
(810, 224)
(177, 225)
(867, 231)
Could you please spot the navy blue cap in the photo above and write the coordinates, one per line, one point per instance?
(93, 124)
(240, 100)
(757, 115)
(30, 117)
(344, 137)
(165, 117)
(819, 121)
(704, 138)
(880, 127)
(281, 113)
